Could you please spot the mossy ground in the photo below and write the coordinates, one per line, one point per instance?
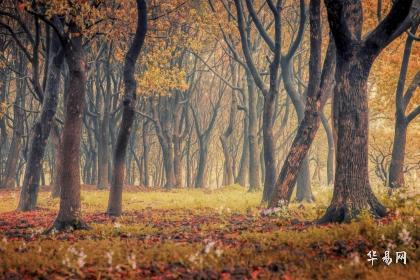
(196, 234)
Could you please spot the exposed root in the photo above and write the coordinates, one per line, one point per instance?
(59, 226)
(344, 213)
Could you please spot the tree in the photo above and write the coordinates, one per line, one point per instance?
(42, 128)
(129, 102)
(319, 89)
(9, 178)
(271, 92)
(355, 56)
(403, 118)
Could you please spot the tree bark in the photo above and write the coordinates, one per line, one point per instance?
(9, 178)
(56, 138)
(146, 181)
(41, 129)
(355, 56)
(317, 94)
(115, 195)
(330, 154)
(396, 168)
(242, 176)
(69, 215)
(103, 141)
(228, 172)
(402, 119)
(254, 170)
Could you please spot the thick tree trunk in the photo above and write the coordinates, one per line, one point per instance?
(69, 215)
(41, 130)
(352, 191)
(115, 194)
(355, 56)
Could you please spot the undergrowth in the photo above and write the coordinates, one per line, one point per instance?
(196, 234)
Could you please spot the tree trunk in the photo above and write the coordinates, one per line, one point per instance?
(254, 172)
(200, 181)
(56, 138)
(115, 194)
(9, 178)
(146, 182)
(330, 155)
(396, 168)
(242, 176)
(177, 162)
(103, 147)
(69, 215)
(269, 146)
(307, 129)
(168, 161)
(304, 192)
(228, 172)
(41, 130)
(355, 56)
(352, 191)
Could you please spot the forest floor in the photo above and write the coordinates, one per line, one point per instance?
(194, 234)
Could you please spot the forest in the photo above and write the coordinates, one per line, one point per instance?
(209, 139)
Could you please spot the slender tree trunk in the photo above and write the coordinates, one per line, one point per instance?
(330, 154)
(200, 180)
(58, 167)
(242, 176)
(41, 130)
(103, 146)
(304, 193)
(115, 194)
(269, 145)
(319, 87)
(396, 168)
(9, 178)
(146, 177)
(4, 84)
(254, 170)
(168, 161)
(228, 172)
(177, 162)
